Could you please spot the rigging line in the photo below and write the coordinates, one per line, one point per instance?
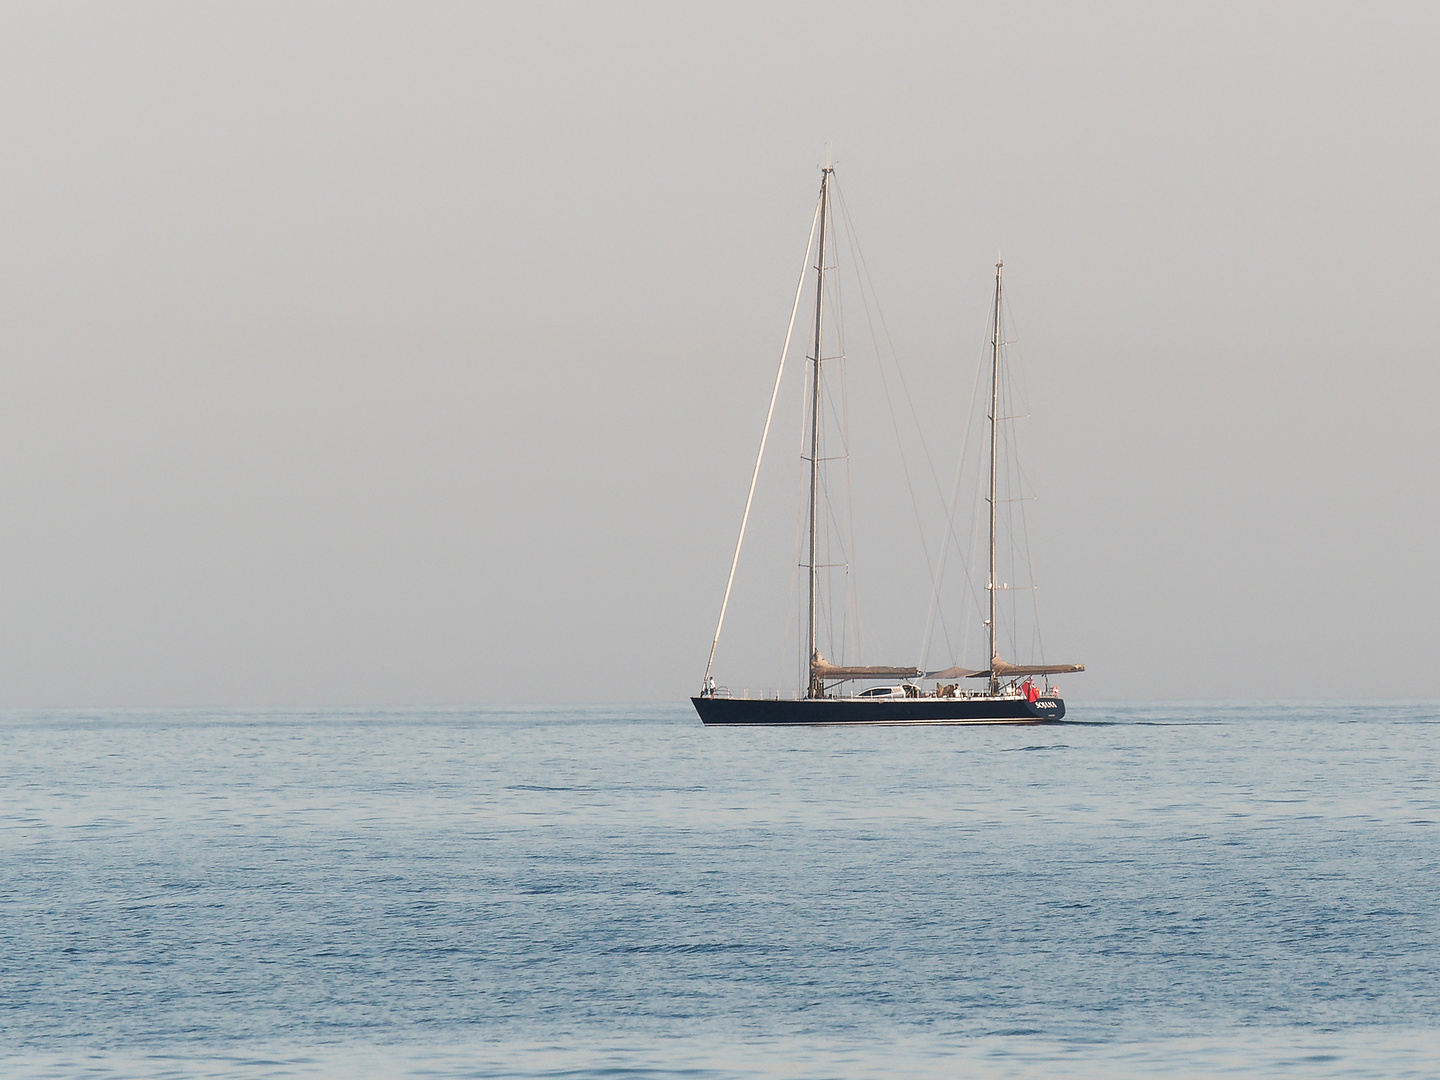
(840, 425)
(824, 553)
(1035, 590)
(785, 634)
(858, 257)
(1017, 401)
(967, 554)
(984, 482)
(863, 267)
(1025, 525)
(800, 508)
(769, 414)
(851, 611)
(821, 544)
(835, 534)
(794, 564)
(1017, 398)
(936, 578)
(950, 508)
(1012, 455)
(850, 614)
(828, 409)
(834, 537)
(824, 597)
(975, 520)
(853, 243)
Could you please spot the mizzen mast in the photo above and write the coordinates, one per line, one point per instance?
(994, 414)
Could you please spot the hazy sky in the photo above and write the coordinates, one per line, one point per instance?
(418, 353)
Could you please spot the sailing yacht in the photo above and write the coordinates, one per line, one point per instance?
(1007, 693)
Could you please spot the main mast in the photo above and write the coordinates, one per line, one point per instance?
(994, 413)
(816, 688)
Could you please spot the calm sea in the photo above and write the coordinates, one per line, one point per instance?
(1165, 889)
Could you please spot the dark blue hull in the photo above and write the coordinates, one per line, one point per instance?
(891, 711)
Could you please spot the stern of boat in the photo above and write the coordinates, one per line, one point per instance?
(1047, 708)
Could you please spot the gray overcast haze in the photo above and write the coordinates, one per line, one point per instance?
(365, 354)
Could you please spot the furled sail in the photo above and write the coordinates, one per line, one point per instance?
(823, 669)
(1004, 670)
(954, 673)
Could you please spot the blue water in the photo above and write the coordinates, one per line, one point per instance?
(1167, 890)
